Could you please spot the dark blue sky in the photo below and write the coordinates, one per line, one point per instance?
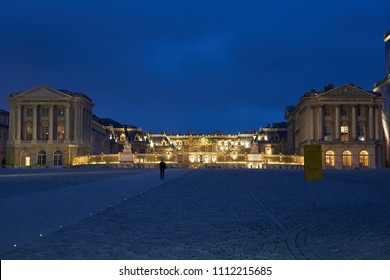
(191, 65)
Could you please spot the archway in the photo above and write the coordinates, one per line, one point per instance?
(347, 159)
(363, 158)
(41, 158)
(25, 159)
(57, 158)
(329, 158)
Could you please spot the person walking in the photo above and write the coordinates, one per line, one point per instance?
(163, 165)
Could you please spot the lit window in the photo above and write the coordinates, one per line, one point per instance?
(28, 132)
(363, 158)
(25, 158)
(347, 159)
(344, 133)
(60, 132)
(329, 158)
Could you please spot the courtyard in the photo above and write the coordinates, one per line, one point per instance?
(193, 214)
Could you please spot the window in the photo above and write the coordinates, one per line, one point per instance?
(41, 158)
(45, 112)
(326, 111)
(61, 111)
(347, 159)
(328, 133)
(24, 158)
(57, 158)
(359, 110)
(363, 158)
(344, 111)
(329, 158)
(361, 133)
(60, 132)
(44, 132)
(344, 133)
(28, 132)
(29, 112)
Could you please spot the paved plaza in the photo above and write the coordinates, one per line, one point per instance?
(193, 214)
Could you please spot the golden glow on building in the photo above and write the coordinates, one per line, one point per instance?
(200, 151)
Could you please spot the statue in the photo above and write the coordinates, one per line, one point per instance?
(254, 148)
(126, 156)
(127, 146)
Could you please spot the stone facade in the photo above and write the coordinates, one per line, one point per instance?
(346, 121)
(48, 127)
(4, 117)
(383, 87)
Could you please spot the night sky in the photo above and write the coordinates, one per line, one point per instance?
(185, 65)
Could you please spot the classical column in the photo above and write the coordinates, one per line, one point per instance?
(18, 121)
(67, 123)
(51, 122)
(353, 127)
(81, 122)
(311, 123)
(377, 123)
(371, 122)
(88, 127)
(11, 121)
(337, 122)
(76, 122)
(35, 122)
(319, 122)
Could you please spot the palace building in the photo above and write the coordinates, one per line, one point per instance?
(383, 87)
(4, 116)
(53, 128)
(48, 127)
(346, 121)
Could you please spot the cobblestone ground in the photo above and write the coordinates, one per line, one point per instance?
(234, 214)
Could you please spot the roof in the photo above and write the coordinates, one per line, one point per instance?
(75, 94)
(44, 89)
(111, 122)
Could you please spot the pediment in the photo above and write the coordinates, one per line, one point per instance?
(347, 91)
(43, 92)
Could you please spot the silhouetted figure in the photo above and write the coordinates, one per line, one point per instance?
(163, 165)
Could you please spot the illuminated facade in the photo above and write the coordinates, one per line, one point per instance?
(262, 149)
(383, 87)
(346, 121)
(4, 117)
(53, 128)
(204, 151)
(48, 127)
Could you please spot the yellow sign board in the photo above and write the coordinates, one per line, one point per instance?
(313, 162)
